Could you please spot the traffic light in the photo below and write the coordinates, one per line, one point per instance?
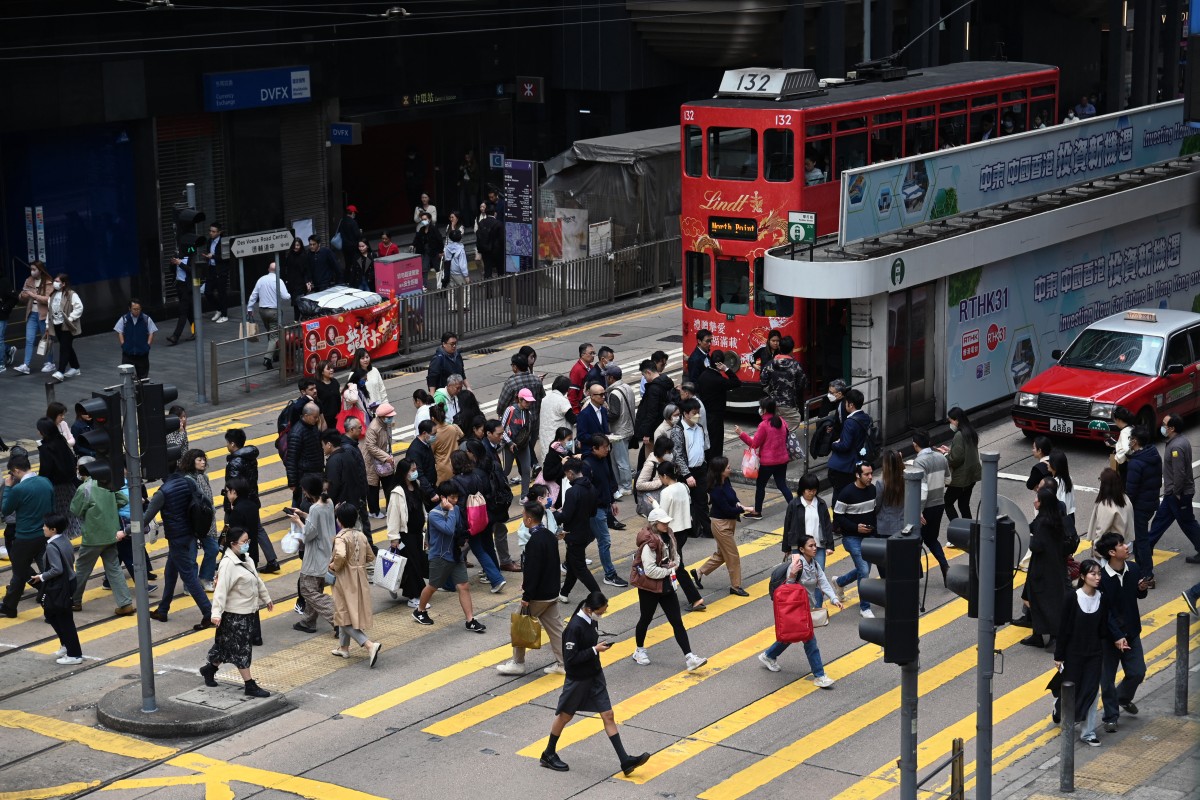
(153, 426)
(106, 438)
(898, 633)
(189, 240)
(963, 580)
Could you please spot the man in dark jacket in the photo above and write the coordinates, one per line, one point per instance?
(847, 450)
(489, 239)
(351, 233)
(346, 472)
(575, 517)
(1179, 487)
(1143, 478)
(323, 266)
(242, 462)
(446, 362)
(654, 401)
(540, 586)
(713, 386)
(304, 455)
(173, 500)
(1122, 584)
(421, 454)
(699, 359)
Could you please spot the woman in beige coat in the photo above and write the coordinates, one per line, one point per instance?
(238, 596)
(39, 283)
(351, 589)
(1113, 511)
(376, 449)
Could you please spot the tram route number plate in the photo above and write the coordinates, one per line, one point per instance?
(802, 227)
(1062, 426)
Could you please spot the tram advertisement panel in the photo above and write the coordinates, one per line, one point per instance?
(899, 194)
(1004, 319)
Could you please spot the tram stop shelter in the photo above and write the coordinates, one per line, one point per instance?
(966, 268)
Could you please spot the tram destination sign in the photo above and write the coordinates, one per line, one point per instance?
(745, 230)
(888, 197)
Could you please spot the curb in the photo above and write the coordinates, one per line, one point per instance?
(185, 709)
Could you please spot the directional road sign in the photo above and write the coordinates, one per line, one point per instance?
(253, 244)
(802, 227)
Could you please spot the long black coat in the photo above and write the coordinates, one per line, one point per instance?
(1047, 579)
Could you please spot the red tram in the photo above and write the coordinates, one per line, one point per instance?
(774, 141)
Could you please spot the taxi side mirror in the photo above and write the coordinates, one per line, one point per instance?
(1056, 354)
(1173, 369)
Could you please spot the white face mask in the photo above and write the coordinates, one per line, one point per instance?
(832, 397)
(34, 273)
(595, 617)
(58, 284)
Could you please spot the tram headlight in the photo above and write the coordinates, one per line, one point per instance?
(1027, 400)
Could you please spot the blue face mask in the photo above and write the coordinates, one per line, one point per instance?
(412, 476)
(388, 421)
(244, 548)
(432, 436)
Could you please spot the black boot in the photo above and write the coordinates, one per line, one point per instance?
(253, 690)
(209, 673)
(552, 761)
(1023, 621)
(945, 572)
(1033, 640)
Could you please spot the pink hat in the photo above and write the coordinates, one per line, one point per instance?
(385, 410)
(526, 395)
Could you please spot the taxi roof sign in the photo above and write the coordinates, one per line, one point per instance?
(1141, 316)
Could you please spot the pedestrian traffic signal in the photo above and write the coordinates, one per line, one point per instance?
(189, 240)
(898, 559)
(153, 427)
(105, 438)
(963, 580)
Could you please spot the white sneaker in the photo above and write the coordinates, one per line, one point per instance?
(823, 682)
(48, 366)
(555, 669)
(562, 568)
(216, 316)
(496, 589)
(769, 663)
(484, 579)
(377, 515)
(562, 598)
(640, 656)
(22, 368)
(62, 651)
(69, 661)
(58, 376)
(72, 373)
(3, 369)
(222, 319)
(867, 613)
(299, 609)
(618, 494)
(510, 668)
(414, 603)
(694, 662)
(208, 587)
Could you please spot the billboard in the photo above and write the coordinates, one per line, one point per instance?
(338, 336)
(889, 197)
(1004, 319)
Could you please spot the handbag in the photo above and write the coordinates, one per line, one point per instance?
(646, 502)
(820, 617)
(43, 346)
(525, 631)
(248, 330)
(477, 515)
(750, 463)
(336, 241)
(389, 567)
(1073, 569)
(794, 447)
(384, 468)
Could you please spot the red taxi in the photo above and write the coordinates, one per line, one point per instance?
(1144, 359)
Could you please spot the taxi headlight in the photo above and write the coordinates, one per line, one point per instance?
(1027, 400)
(1103, 410)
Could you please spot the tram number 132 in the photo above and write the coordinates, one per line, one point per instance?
(753, 82)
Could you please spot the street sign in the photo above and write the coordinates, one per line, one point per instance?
(802, 227)
(253, 244)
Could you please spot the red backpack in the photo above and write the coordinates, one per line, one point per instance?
(793, 619)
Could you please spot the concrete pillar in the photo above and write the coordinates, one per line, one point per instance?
(1114, 79)
(831, 40)
(793, 34)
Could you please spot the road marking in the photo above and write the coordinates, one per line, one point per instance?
(102, 741)
(50, 791)
(491, 658)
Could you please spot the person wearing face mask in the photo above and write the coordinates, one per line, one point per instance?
(420, 453)
(654, 564)
(376, 448)
(66, 309)
(319, 530)
(562, 446)
(670, 419)
(1086, 623)
(427, 243)
(962, 455)
(239, 595)
(406, 526)
(555, 411)
(648, 487)
(585, 688)
(38, 284)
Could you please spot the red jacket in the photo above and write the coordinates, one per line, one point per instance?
(575, 393)
(392, 249)
(771, 442)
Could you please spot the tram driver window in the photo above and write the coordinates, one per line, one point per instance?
(779, 147)
(698, 279)
(693, 158)
(733, 153)
(769, 304)
(733, 286)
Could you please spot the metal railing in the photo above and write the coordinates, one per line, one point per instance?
(872, 389)
(479, 307)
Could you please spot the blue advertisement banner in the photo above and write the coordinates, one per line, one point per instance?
(894, 195)
(259, 88)
(1004, 320)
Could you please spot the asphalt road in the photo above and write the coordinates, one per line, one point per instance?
(435, 717)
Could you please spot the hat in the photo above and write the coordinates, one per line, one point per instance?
(613, 371)
(526, 395)
(351, 209)
(385, 410)
(658, 515)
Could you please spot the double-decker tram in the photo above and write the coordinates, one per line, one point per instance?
(775, 141)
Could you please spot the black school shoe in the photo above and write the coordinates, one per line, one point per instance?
(633, 762)
(552, 761)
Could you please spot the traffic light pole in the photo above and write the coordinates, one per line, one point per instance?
(133, 470)
(908, 672)
(985, 651)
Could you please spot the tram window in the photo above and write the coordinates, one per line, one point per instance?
(952, 131)
(1043, 91)
(733, 153)
(920, 112)
(693, 161)
(698, 280)
(1012, 95)
(817, 129)
(769, 304)
(983, 125)
(850, 152)
(733, 286)
(816, 162)
(887, 144)
(886, 118)
(852, 124)
(983, 100)
(779, 148)
(953, 106)
(1041, 114)
(918, 137)
(1012, 119)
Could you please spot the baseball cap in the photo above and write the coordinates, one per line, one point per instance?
(658, 515)
(526, 395)
(352, 209)
(613, 371)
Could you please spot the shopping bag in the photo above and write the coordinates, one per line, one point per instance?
(248, 330)
(43, 346)
(477, 516)
(526, 631)
(794, 447)
(389, 567)
(750, 463)
(292, 540)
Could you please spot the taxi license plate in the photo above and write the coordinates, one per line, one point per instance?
(1062, 426)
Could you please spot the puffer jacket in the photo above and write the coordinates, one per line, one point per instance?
(1143, 479)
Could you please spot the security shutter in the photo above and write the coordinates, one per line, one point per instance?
(305, 169)
(190, 149)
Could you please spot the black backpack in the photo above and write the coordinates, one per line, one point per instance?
(200, 511)
(874, 444)
(283, 426)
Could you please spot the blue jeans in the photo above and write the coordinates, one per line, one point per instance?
(861, 571)
(208, 567)
(181, 563)
(487, 561)
(1171, 509)
(811, 651)
(1133, 662)
(34, 329)
(603, 540)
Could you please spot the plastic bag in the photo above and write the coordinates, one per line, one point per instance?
(750, 463)
(526, 631)
(292, 540)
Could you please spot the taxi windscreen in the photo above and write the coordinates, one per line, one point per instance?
(1115, 351)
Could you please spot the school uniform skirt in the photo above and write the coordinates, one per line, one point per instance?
(584, 694)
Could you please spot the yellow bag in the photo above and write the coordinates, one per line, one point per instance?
(526, 631)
